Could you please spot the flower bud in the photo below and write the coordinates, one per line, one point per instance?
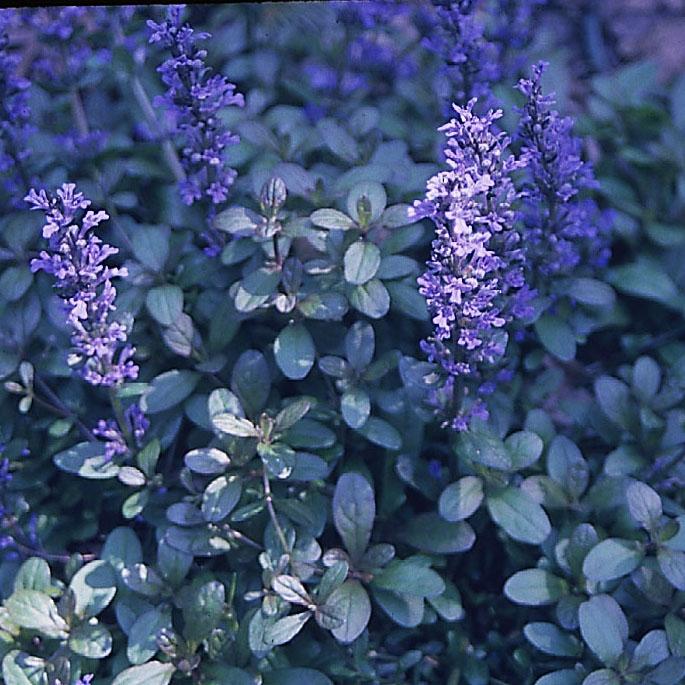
(273, 195)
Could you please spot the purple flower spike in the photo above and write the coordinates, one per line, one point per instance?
(76, 258)
(470, 60)
(194, 98)
(563, 231)
(14, 116)
(110, 431)
(474, 285)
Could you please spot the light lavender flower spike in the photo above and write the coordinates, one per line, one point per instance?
(474, 285)
(76, 258)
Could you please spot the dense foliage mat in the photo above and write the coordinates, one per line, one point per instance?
(334, 351)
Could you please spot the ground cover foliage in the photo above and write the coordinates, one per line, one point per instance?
(299, 388)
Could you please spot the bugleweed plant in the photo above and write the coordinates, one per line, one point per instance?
(334, 352)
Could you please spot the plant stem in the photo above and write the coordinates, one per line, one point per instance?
(272, 512)
(168, 149)
(58, 407)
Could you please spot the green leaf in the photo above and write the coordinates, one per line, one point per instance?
(406, 299)
(566, 465)
(220, 498)
(370, 192)
(675, 632)
(644, 504)
(210, 461)
(33, 574)
(332, 219)
(646, 378)
(323, 306)
(354, 510)
(371, 299)
(142, 637)
(591, 292)
(448, 604)
(237, 220)
(295, 351)
(519, 515)
(430, 533)
(603, 676)
(360, 344)
(361, 262)
(525, 448)
(550, 639)
(603, 627)
(397, 216)
(672, 565)
(285, 629)
(151, 246)
(179, 336)
(203, 610)
(407, 577)
(645, 278)
(234, 425)
(355, 407)
(484, 448)
(291, 590)
(14, 282)
(36, 611)
(91, 640)
(612, 558)
(87, 459)
(405, 610)
(94, 586)
(122, 548)
(152, 673)
(251, 381)
(557, 337)
(460, 500)
(614, 400)
(338, 141)
(20, 668)
(292, 413)
(278, 457)
(566, 676)
(381, 433)
(295, 676)
(165, 303)
(351, 602)
(168, 390)
(535, 587)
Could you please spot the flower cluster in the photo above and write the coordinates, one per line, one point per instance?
(135, 426)
(195, 99)
(475, 282)
(563, 231)
(379, 54)
(511, 31)
(76, 258)
(14, 116)
(64, 36)
(470, 60)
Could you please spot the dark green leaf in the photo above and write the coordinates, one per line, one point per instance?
(535, 587)
(460, 500)
(354, 510)
(295, 351)
(88, 460)
(556, 337)
(361, 262)
(603, 627)
(351, 603)
(520, 516)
